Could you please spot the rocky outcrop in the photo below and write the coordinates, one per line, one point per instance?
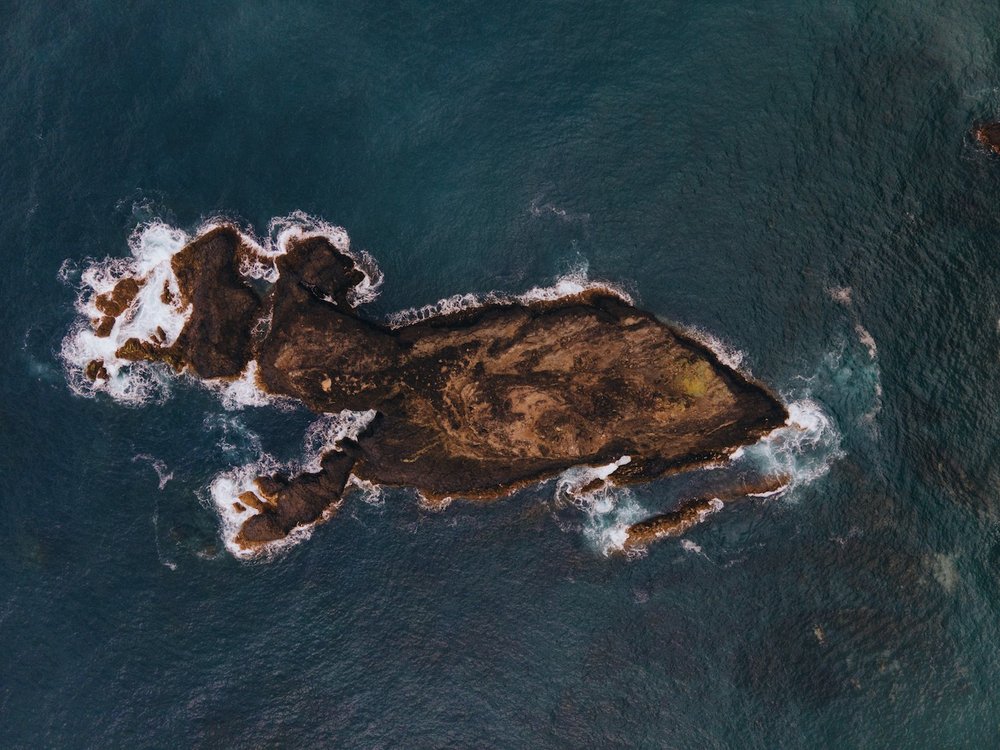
(471, 404)
(988, 136)
(692, 512)
(284, 503)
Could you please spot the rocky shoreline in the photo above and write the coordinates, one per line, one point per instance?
(472, 404)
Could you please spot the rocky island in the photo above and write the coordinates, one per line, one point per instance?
(988, 136)
(472, 404)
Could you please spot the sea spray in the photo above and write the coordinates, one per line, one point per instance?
(157, 314)
(153, 314)
(607, 510)
(322, 436)
(570, 284)
(803, 449)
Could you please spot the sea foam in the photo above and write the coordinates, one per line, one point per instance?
(149, 317)
(574, 282)
(158, 317)
(321, 437)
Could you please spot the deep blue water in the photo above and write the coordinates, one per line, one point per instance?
(795, 178)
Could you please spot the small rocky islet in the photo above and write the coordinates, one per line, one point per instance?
(471, 404)
(987, 135)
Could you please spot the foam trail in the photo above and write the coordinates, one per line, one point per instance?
(321, 437)
(845, 297)
(570, 284)
(162, 474)
(156, 314)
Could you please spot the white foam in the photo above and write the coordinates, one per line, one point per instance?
(148, 318)
(225, 490)
(609, 514)
(727, 354)
(803, 449)
(435, 506)
(237, 441)
(69, 271)
(369, 492)
(325, 434)
(321, 437)
(162, 474)
(571, 482)
(570, 284)
(608, 510)
(244, 390)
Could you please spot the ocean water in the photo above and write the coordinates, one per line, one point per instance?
(795, 180)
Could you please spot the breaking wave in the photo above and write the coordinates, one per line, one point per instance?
(321, 437)
(607, 510)
(608, 515)
(803, 449)
(570, 284)
(156, 313)
(152, 315)
(729, 355)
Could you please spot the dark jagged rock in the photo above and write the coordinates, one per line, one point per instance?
(96, 370)
(471, 404)
(103, 326)
(296, 502)
(118, 300)
(692, 512)
(988, 135)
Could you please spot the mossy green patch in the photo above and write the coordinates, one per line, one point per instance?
(693, 381)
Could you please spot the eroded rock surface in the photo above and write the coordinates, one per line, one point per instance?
(470, 404)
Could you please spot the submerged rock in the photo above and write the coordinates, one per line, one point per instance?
(692, 512)
(471, 404)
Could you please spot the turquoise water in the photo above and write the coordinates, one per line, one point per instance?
(793, 178)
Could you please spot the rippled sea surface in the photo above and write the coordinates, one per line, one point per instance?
(793, 178)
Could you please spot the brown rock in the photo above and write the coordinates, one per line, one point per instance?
(216, 341)
(95, 370)
(692, 512)
(988, 135)
(251, 500)
(300, 501)
(471, 404)
(103, 326)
